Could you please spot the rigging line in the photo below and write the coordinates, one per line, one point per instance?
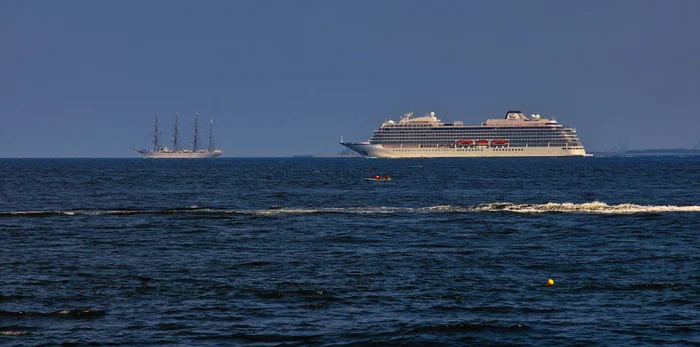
(148, 139)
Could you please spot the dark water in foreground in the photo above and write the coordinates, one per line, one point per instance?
(305, 252)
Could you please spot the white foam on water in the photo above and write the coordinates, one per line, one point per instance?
(441, 208)
(12, 333)
(595, 207)
(280, 211)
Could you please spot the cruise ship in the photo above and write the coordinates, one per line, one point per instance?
(514, 136)
(178, 152)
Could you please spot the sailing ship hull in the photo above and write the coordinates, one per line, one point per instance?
(180, 155)
(381, 151)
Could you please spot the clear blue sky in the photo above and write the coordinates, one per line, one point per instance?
(85, 78)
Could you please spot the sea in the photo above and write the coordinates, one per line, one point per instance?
(306, 252)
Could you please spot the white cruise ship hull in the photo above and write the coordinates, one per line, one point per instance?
(180, 155)
(397, 151)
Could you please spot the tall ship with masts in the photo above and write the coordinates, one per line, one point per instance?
(177, 151)
(514, 136)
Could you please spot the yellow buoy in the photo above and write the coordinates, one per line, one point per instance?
(550, 282)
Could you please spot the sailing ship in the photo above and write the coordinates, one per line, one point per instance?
(178, 152)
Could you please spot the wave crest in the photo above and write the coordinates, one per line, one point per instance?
(75, 313)
(595, 207)
(588, 207)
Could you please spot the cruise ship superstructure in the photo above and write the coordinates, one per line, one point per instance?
(178, 152)
(428, 137)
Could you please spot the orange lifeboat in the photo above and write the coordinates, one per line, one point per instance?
(482, 142)
(465, 142)
(499, 142)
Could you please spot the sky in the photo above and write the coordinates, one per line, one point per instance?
(282, 78)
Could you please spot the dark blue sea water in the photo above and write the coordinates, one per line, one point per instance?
(303, 251)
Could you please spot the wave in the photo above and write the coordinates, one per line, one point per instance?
(76, 313)
(15, 330)
(638, 287)
(468, 327)
(589, 207)
(595, 207)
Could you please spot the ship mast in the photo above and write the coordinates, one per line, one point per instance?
(156, 134)
(175, 134)
(210, 148)
(195, 146)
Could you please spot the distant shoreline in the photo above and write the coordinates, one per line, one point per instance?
(326, 156)
(637, 153)
(649, 152)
